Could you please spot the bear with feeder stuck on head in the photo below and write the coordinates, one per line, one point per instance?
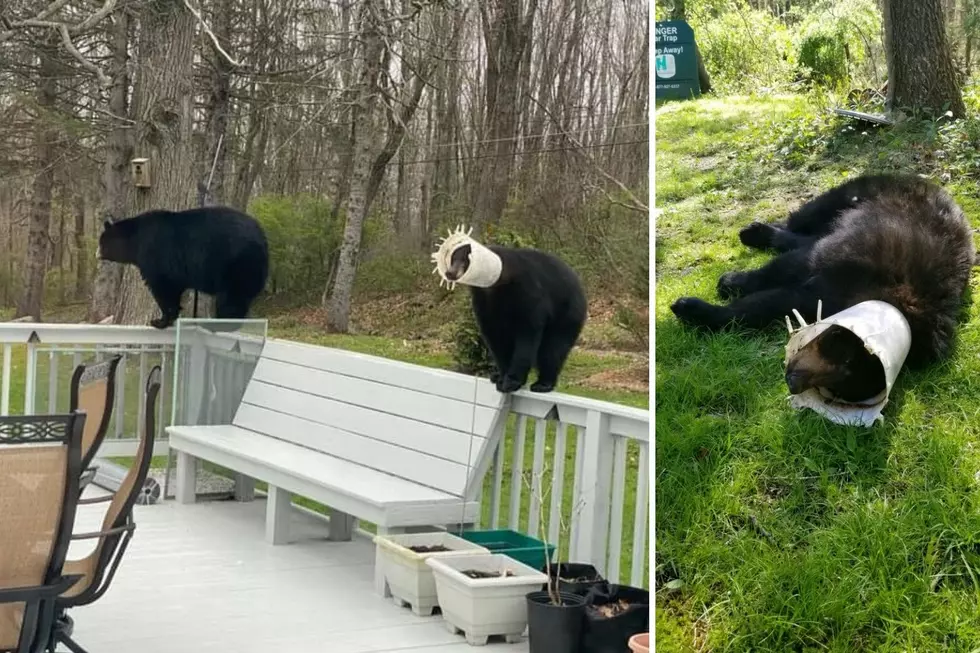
(530, 306)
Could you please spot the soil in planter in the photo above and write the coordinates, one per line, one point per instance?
(435, 548)
(473, 573)
(608, 610)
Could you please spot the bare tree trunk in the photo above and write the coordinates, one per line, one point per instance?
(507, 31)
(106, 286)
(920, 67)
(162, 110)
(219, 104)
(81, 253)
(337, 301)
(45, 136)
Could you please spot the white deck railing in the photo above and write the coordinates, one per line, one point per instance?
(571, 469)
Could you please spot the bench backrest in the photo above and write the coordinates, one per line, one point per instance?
(433, 427)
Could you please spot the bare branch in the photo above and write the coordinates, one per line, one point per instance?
(214, 39)
(104, 80)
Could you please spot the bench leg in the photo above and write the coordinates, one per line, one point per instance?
(244, 488)
(341, 526)
(186, 490)
(277, 516)
(380, 583)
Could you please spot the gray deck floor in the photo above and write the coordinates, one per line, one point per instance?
(201, 578)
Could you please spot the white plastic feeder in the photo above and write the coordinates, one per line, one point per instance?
(886, 335)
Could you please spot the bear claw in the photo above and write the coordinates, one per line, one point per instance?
(509, 384)
(540, 386)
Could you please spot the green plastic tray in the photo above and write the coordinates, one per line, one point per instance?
(518, 546)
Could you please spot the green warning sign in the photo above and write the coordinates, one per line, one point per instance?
(676, 63)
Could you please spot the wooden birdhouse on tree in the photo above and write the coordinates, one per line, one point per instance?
(140, 170)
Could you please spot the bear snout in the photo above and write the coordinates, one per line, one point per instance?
(797, 380)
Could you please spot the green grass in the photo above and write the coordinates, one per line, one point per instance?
(777, 530)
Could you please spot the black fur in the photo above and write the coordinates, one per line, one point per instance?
(895, 238)
(532, 316)
(215, 250)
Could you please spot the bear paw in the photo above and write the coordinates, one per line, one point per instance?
(542, 386)
(731, 285)
(495, 377)
(509, 384)
(699, 313)
(757, 235)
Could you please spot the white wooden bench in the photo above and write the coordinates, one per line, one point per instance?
(392, 443)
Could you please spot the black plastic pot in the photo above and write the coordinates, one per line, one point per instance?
(555, 628)
(585, 577)
(611, 634)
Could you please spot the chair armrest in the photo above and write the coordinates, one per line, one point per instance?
(38, 592)
(128, 528)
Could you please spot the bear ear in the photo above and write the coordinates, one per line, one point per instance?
(107, 223)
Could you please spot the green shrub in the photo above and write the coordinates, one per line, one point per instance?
(470, 353)
(744, 50)
(304, 238)
(823, 59)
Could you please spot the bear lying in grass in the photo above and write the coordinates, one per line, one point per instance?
(895, 238)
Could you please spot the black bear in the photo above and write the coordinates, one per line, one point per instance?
(896, 238)
(215, 250)
(529, 305)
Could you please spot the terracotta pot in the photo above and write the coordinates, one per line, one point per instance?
(640, 643)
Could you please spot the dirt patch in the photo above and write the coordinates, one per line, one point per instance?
(473, 573)
(635, 378)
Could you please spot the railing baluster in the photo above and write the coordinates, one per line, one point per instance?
(576, 493)
(557, 484)
(30, 380)
(517, 474)
(637, 577)
(141, 395)
(165, 382)
(537, 478)
(615, 537)
(5, 397)
(593, 523)
(52, 382)
(498, 482)
(119, 412)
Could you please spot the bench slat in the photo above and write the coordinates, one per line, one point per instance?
(426, 470)
(378, 396)
(413, 436)
(441, 383)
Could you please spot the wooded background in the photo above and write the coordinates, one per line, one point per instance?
(354, 131)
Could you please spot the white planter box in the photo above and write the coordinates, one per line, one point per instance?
(408, 578)
(481, 607)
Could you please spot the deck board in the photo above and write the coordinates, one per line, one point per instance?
(201, 578)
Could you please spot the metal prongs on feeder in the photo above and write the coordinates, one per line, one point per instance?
(483, 268)
(789, 323)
